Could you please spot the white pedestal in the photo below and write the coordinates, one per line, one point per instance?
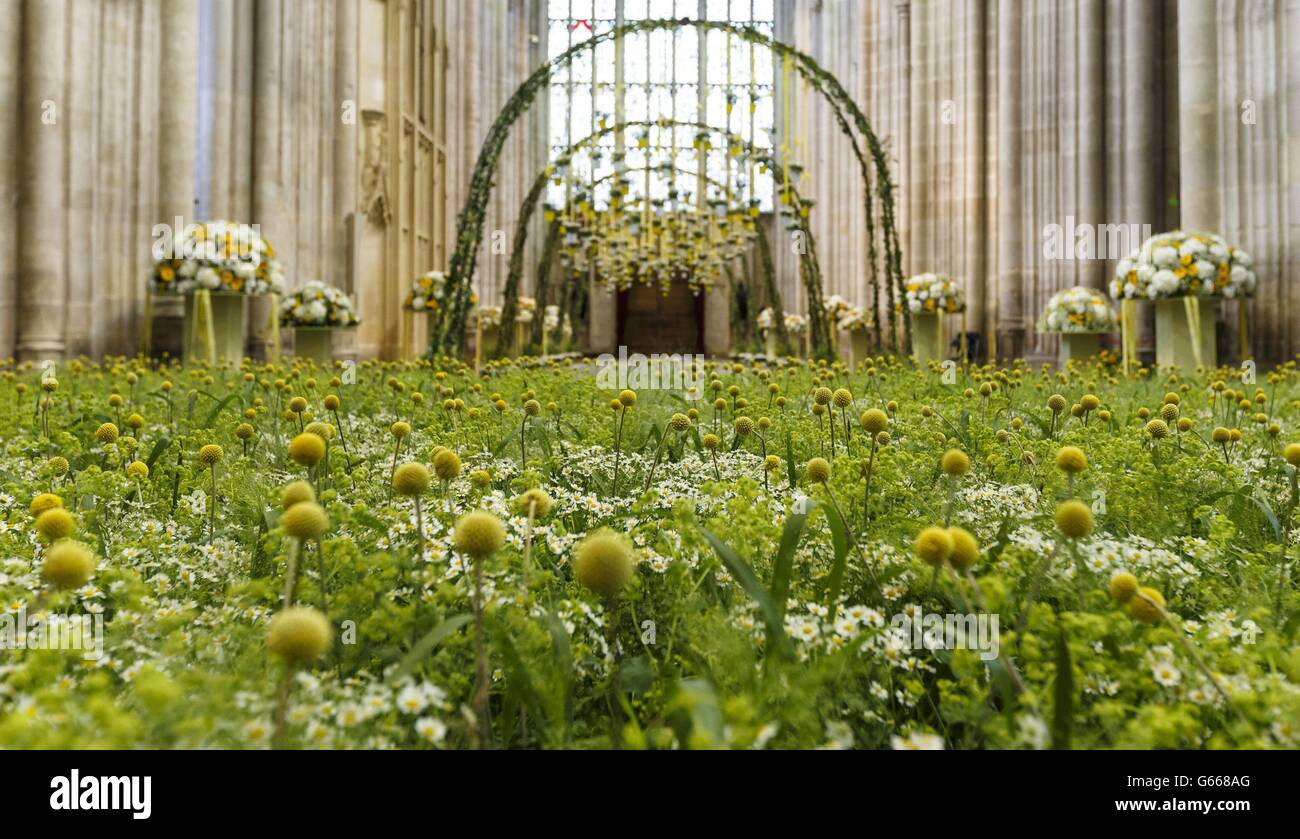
(927, 337)
(1078, 346)
(229, 328)
(1174, 339)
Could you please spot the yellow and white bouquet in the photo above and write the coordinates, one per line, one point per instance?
(853, 319)
(1183, 264)
(795, 324)
(1077, 310)
(527, 310)
(315, 304)
(934, 294)
(218, 256)
(551, 319)
(489, 317)
(426, 292)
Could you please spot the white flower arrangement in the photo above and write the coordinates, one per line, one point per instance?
(1077, 310)
(853, 319)
(834, 306)
(795, 324)
(1183, 264)
(317, 304)
(527, 310)
(220, 256)
(426, 292)
(489, 317)
(766, 319)
(935, 294)
(551, 319)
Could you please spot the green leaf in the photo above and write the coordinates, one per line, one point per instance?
(215, 412)
(158, 448)
(425, 645)
(791, 469)
(840, 540)
(1063, 692)
(776, 637)
(783, 567)
(1264, 507)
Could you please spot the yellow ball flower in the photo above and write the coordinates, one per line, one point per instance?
(446, 465)
(331, 402)
(1158, 429)
(1147, 605)
(744, 426)
(296, 493)
(138, 469)
(68, 564)
(874, 420)
(210, 454)
(537, 500)
(1123, 586)
(106, 433)
(955, 462)
(1221, 435)
(400, 429)
(603, 563)
(679, 422)
(627, 398)
(44, 501)
(965, 550)
(934, 545)
(842, 398)
(818, 470)
(1074, 519)
(479, 534)
(298, 404)
(299, 634)
(55, 524)
(307, 449)
(1291, 454)
(411, 479)
(710, 441)
(305, 520)
(1071, 459)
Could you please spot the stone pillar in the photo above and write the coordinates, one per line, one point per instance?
(1142, 146)
(602, 318)
(717, 318)
(42, 243)
(972, 116)
(345, 101)
(1011, 226)
(1198, 108)
(1092, 138)
(11, 21)
(267, 211)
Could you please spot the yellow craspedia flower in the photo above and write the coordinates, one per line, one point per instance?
(135, 421)
(679, 422)
(1147, 605)
(535, 499)
(603, 563)
(106, 433)
(58, 465)
(44, 501)
(331, 402)
(138, 469)
(54, 524)
(744, 426)
(323, 430)
(1291, 454)
(818, 470)
(307, 449)
(874, 420)
(298, 405)
(627, 398)
(1074, 519)
(532, 407)
(955, 462)
(446, 465)
(1220, 435)
(305, 520)
(411, 479)
(1071, 460)
(480, 478)
(1057, 403)
(710, 441)
(771, 463)
(210, 454)
(299, 634)
(1123, 586)
(244, 431)
(934, 545)
(296, 493)
(842, 398)
(400, 429)
(479, 534)
(1089, 402)
(68, 564)
(965, 550)
(1158, 429)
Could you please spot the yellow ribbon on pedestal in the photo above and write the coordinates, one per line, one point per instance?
(274, 344)
(204, 329)
(404, 345)
(1192, 307)
(965, 353)
(1128, 332)
(478, 343)
(1243, 336)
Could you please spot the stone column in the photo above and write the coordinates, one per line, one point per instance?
(267, 212)
(345, 101)
(11, 21)
(42, 243)
(1198, 108)
(1092, 137)
(972, 115)
(1011, 224)
(1142, 146)
(903, 122)
(178, 119)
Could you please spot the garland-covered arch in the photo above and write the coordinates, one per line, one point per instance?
(449, 327)
(529, 206)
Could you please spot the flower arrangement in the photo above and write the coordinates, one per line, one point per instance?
(1182, 264)
(934, 294)
(220, 256)
(551, 319)
(853, 319)
(794, 324)
(426, 292)
(316, 304)
(489, 317)
(1077, 310)
(527, 310)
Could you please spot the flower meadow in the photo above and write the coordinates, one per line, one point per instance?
(414, 555)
